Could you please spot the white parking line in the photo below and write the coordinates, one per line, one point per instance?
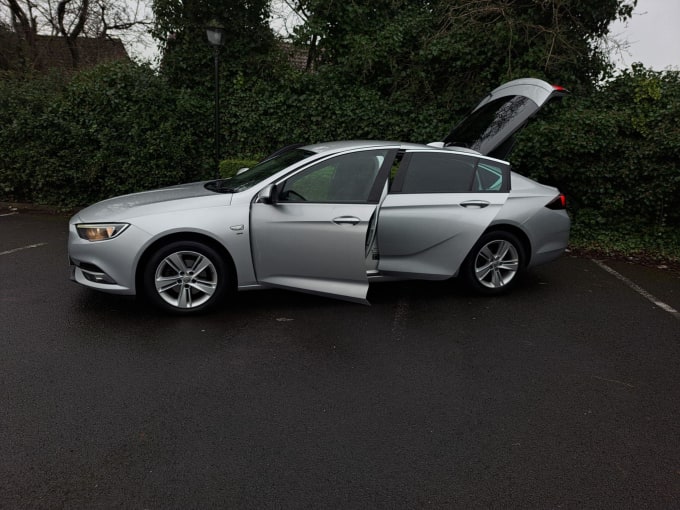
(22, 248)
(639, 290)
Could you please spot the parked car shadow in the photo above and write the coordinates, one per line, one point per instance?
(380, 293)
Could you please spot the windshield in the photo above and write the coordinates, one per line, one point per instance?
(259, 172)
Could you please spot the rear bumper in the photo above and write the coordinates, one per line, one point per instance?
(551, 236)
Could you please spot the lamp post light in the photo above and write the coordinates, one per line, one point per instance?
(216, 36)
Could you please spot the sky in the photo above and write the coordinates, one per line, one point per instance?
(653, 35)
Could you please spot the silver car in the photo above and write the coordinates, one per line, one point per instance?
(330, 218)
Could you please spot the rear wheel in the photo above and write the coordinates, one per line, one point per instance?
(494, 263)
(185, 277)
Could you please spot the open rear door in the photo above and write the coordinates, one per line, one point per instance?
(491, 126)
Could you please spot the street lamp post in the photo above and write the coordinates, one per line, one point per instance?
(216, 35)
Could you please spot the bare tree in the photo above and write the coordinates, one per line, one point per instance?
(287, 16)
(553, 30)
(71, 19)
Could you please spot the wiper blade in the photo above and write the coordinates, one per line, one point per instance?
(219, 187)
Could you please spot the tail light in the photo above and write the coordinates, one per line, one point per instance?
(559, 203)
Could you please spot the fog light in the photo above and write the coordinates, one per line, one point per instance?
(98, 278)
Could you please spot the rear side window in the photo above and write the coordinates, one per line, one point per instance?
(490, 177)
(437, 172)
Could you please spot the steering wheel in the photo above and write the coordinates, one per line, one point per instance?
(295, 193)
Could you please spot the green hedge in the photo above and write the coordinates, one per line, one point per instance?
(616, 154)
(112, 130)
(121, 128)
(229, 167)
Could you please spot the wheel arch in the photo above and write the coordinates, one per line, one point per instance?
(184, 236)
(518, 233)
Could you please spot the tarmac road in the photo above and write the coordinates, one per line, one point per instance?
(563, 394)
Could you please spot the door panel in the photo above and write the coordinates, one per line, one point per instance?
(316, 248)
(429, 235)
(313, 236)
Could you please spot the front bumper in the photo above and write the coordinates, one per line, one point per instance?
(95, 278)
(107, 266)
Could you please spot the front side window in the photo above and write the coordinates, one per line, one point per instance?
(344, 178)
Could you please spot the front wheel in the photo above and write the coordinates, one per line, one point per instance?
(185, 277)
(494, 263)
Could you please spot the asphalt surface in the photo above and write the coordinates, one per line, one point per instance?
(564, 394)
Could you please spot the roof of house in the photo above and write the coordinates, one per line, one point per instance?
(52, 52)
(297, 56)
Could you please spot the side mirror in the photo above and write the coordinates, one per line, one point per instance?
(268, 194)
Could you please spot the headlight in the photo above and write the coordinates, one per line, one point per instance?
(100, 231)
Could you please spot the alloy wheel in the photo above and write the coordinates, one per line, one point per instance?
(496, 264)
(186, 279)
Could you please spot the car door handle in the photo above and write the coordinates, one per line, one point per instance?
(346, 220)
(475, 203)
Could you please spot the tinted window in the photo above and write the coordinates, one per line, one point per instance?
(491, 124)
(345, 178)
(435, 172)
(489, 177)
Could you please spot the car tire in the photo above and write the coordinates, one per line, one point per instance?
(494, 264)
(186, 277)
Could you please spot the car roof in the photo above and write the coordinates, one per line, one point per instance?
(345, 145)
